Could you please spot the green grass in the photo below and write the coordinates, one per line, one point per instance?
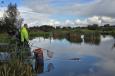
(39, 34)
(4, 38)
(15, 68)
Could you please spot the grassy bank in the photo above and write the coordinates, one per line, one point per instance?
(63, 32)
(39, 34)
(15, 68)
(4, 38)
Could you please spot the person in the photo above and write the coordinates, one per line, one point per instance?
(24, 35)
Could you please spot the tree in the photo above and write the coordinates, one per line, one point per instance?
(46, 28)
(1, 25)
(12, 19)
(58, 27)
(107, 25)
(93, 27)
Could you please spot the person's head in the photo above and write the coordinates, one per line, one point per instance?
(25, 25)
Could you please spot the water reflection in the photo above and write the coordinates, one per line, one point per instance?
(76, 38)
(50, 54)
(59, 36)
(39, 60)
(50, 67)
(113, 44)
(4, 56)
(39, 68)
(93, 60)
(92, 39)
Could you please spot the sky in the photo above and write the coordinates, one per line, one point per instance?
(72, 13)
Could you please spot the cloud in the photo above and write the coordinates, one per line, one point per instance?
(101, 20)
(68, 23)
(1, 14)
(94, 20)
(98, 8)
(33, 18)
(39, 6)
(76, 23)
(53, 22)
(92, 10)
(2, 11)
(39, 12)
(108, 20)
(81, 23)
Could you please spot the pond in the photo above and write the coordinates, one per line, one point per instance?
(85, 58)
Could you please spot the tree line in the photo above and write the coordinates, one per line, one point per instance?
(48, 28)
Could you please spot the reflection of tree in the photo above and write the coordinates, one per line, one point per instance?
(58, 35)
(113, 34)
(39, 67)
(92, 38)
(74, 38)
(50, 67)
(113, 44)
(71, 37)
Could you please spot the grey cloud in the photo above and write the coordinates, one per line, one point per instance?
(33, 18)
(96, 8)
(99, 8)
(40, 6)
(104, 8)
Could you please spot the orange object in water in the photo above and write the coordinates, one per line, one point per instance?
(39, 63)
(38, 53)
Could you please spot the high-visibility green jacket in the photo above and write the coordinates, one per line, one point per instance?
(24, 34)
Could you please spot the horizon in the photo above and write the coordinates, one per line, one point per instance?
(71, 13)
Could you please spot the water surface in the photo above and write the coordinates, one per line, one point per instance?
(94, 59)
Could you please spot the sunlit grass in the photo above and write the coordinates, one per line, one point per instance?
(4, 38)
(15, 68)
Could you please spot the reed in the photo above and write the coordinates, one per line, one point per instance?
(15, 68)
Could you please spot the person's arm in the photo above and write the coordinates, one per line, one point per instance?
(22, 38)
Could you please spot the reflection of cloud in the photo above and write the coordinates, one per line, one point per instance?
(108, 65)
(64, 49)
(106, 38)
